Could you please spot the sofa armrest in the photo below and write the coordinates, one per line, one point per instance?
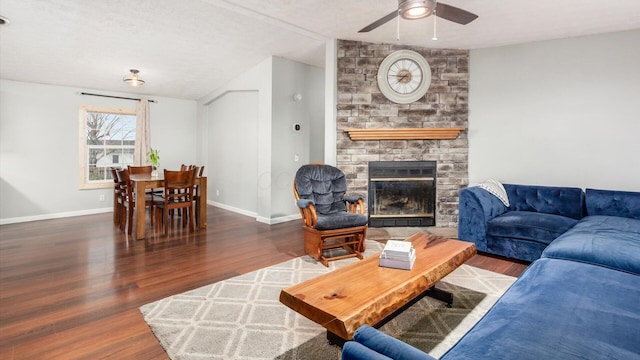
(304, 203)
(353, 198)
(383, 344)
(355, 203)
(477, 207)
(356, 351)
(307, 209)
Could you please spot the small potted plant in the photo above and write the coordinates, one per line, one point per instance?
(154, 159)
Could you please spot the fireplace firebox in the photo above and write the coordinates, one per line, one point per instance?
(402, 193)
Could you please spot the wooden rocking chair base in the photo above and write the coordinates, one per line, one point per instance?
(350, 239)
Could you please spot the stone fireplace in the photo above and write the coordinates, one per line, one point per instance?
(362, 106)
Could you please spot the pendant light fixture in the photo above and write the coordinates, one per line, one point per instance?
(133, 79)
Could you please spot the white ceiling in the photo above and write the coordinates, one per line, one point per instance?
(188, 48)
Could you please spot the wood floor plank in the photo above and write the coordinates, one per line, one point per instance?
(70, 288)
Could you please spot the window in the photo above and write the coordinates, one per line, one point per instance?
(107, 139)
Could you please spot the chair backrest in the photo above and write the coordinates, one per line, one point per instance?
(114, 174)
(137, 170)
(125, 177)
(184, 167)
(178, 186)
(123, 183)
(324, 184)
(116, 185)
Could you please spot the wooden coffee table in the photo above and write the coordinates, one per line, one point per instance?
(365, 293)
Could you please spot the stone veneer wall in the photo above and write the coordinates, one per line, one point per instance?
(362, 105)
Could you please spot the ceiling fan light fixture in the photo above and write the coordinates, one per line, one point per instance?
(133, 79)
(415, 9)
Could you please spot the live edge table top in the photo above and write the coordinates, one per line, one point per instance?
(365, 293)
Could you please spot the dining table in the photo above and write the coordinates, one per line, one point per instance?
(142, 182)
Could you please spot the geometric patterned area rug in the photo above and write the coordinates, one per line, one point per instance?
(242, 318)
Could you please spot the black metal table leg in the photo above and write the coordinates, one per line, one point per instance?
(432, 292)
(441, 295)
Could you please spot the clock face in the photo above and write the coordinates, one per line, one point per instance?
(404, 76)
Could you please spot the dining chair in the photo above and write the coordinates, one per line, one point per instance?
(116, 195)
(128, 201)
(184, 167)
(196, 193)
(178, 195)
(122, 199)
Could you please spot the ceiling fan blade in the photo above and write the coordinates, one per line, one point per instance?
(454, 14)
(380, 21)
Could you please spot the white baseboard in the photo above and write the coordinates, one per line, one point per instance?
(254, 215)
(109, 209)
(233, 209)
(54, 216)
(278, 220)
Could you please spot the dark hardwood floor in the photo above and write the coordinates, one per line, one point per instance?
(70, 288)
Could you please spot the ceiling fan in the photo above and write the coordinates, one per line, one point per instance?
(418, 9)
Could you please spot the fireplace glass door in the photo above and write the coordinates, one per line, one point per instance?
(402, 197)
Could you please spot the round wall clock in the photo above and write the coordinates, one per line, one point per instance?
(404, 76)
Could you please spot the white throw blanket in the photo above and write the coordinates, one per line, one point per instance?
(495, 188)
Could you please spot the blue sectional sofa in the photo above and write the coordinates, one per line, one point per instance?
(580, 300)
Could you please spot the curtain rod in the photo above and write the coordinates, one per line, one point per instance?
(115, 97)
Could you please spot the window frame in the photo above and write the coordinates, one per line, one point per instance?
(83, 149)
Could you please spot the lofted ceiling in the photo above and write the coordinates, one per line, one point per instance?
(188, 48)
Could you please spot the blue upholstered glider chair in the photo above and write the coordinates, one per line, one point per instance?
(331, 218)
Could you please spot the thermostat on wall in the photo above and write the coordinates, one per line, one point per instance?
(296, 127)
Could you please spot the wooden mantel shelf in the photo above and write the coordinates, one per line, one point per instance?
(404, 134)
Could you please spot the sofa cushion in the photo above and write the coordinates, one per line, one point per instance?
(515, 248)
(341, 221)
(563, 201)
(531, 226)
(613, 203)
(608, 241)
(559, 310)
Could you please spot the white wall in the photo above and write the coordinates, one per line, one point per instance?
(273, 142)
(315, 113)
(290, 77)
(258, 79)
(39, 148)
(563, 112)
(330, 102)
(233, 151)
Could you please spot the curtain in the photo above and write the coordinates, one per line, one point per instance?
(143, 137)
